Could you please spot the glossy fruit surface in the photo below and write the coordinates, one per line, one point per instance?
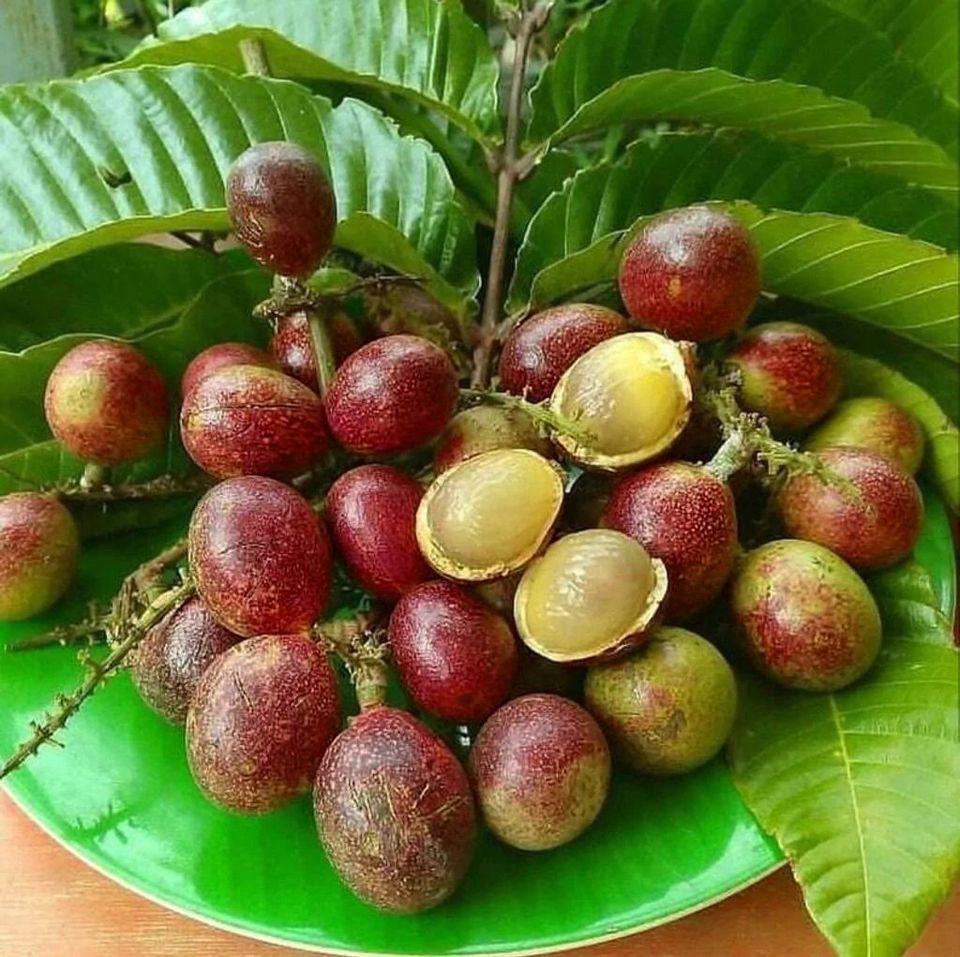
(250, 420)
(394, 812)
(392, 395)
(485, 428)
(260, 557)
(107, 404)
(282, 207)
(541, 770)
(292, 345)
(691, 273)
(219, 356)
(259, 721)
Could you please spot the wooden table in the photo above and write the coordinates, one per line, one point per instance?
(51, 904)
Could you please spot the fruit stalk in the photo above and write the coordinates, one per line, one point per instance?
(542, 414)
(363, 650)
(82, 631)
(164, 486)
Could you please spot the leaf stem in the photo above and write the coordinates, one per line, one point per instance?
(254, 57)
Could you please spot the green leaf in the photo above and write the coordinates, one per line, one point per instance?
(429, 50)
(90, 162)
(860, 788)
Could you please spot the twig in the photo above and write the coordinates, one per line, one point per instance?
(166, 486)
(361, 645)
(94, 624)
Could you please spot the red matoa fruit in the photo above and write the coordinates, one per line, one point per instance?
(541, 349)
(790, 374)
(219, 356)
(872, 524)
(691, 273)
(39, 547)
(166, 666)
(260, 720)
(248, 420)
(107, 404)
(372, 513)
(591, 596)
(455, 655)
(282, 207)
(686, 517)
(392, 395)
(803, 616)
(394, 812)
(875, 424)
(292, 345)
(541, 770)
(485, 428)
(260, 557)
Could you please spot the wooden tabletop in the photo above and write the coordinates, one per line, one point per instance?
(52, 904)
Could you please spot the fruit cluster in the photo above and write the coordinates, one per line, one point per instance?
(530, 559)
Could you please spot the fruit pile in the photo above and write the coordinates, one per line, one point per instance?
(538, 560)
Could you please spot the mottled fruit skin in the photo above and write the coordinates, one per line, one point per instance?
(107, 404)
(392, 395)
(483, 429)
(394, 812)
(292, 345)
(874, 524)
(803, 616)
(282, 207)
(691, 273)
(668, 708)
(166, 666)
(260, 557)
(260, 720)
(875, 424)
(541, 770)
(686, 517)
(39, 547)
(790, 374)
(455, 655)
(249, 420)
(372, 514)
(218, 357)
(539, 350)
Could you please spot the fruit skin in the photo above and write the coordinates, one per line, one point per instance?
(541, 770)
(261, 718)
(167, 664)
(219, 356)
(691, 273)
(292, 345)
(791, 374)
(686, 517)
(39, 547)
(249, 420)
(392, 395)
(541, 349)
(372, 512)
(485, 428)
(107, 404)
(668, 708)
(282, 207)
(875, 529)
(455, 655)
(874, 424)
(260, 557)
(803, 616)
(394, 812)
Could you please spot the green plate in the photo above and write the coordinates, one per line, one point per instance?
(120, 797)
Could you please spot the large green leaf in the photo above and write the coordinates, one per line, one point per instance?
(861, 788)
(85, 163)
(429, 50)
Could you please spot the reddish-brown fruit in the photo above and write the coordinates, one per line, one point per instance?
(541, 770)
(292, 345)
(260, 720)
(686, 517)
(394, 308)
(392, 395)
(282, 207)
(372, 512)
(790, 374)
(539, 351)
(166, 666)
(394, 812)
(873, 524)
(455, 655)
(107, 404)
(248, 420)
(691, 273)
(39, 546)
(260, 557)
(221, 355)
(483, 429)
